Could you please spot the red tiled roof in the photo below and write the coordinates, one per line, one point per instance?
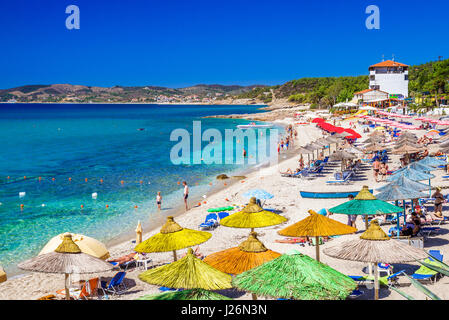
(363, 91)
(388, 63)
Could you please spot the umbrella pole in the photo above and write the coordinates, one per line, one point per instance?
(430, 189)
(405, 211)
(376, 282)
(317, 242)
(174, 255)
(366, 222)
(67, 292)
(254, 296)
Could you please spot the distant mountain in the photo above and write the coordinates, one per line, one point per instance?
(80, 93)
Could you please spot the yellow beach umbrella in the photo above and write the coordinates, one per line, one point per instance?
(379, 128)
(172, 237)
(252, 216)
(86, 244)
(317, 225)
(3, 277)
(187, 273)
(249, 254)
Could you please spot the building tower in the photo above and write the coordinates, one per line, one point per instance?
(389, 76)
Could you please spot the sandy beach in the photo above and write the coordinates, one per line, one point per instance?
(287, 199)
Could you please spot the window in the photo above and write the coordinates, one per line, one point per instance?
(406, 77)
(372, 77)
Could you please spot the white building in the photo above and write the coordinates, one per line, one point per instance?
(391, 77)
(369, 95)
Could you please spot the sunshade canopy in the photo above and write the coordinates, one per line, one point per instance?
(432, 161)
(258, 194)
(188, 273)
(191, 294)
(172, 237)
(342, 155)
(316, 225)
(252, 216)
(295, 275)
(86, 244)
(67, 258)
(375, 246)
(395, 192)
(365, 203)
(411, 174)
(249, 254)
(406, 183)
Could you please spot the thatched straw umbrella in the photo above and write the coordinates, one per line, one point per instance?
(317, 225)
(187, 273)
(407, 149)
(365, 204)
(249, 254)
(342, 156)
(295, 275)
(375, 147)
(171, 238)
(67, 259)
(86, 244)
(3, 277)
(431, 161)
(412, 174)
(192, 294)
(375, 246)
(398, 193)
(303, 150)
(252, 216)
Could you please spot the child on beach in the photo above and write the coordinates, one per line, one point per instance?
(159, 200)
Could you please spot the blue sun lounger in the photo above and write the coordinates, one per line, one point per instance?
(116, 285)
(210, 222)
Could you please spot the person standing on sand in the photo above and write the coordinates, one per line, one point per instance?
(439, 200)
(351, 217)
(186, 194)
(376, 168)
(159, 200)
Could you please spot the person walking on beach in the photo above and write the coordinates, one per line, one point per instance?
(186, 194)
(376, 168)
(159, 200)
(439, 199)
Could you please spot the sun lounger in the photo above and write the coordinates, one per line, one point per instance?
(346, 179)
(116, 285)
(222, 215)
(356, 293)
(424, 273)
(210, 222)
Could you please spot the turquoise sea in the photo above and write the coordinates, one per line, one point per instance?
(65, 144)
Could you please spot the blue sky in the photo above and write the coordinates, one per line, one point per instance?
(182, 43)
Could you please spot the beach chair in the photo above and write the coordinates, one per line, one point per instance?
(116, 285)
(424, 273)
(428, 231)
(356, 293)
(222, 215)
(210, 222)
(88, 290)
(346, 179)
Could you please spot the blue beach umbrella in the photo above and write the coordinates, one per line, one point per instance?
(406, 183)
(397, 193)
(419, 167)
(258, 194)
(412, 174)
(432, 161)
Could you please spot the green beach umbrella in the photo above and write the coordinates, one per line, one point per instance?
(192, 294)
(295, 276)
(365, 204)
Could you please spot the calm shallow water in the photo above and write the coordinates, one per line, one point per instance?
(94, 142)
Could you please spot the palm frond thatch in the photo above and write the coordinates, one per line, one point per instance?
(411, 174)
(406, 149)
(395, 192)
(172, 237)
(365, 203)
(192, 294)
(296, 276)
(252, 216)
(248, 255)
(188, 273)
(316, 225)
(375, 246)
(406, 183)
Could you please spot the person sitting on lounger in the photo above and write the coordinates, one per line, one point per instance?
(290, 172)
